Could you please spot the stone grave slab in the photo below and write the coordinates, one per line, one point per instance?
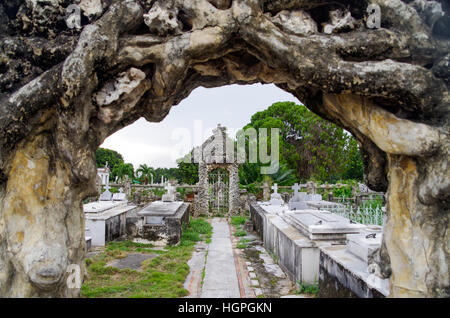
(159, 222)
(101, 206)
(131, 261)
(322, 225)
(159, 209)
(366, 242)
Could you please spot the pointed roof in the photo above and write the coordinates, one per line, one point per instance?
(219, 148)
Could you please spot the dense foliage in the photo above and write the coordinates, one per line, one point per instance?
(310, 147)
(112, 157)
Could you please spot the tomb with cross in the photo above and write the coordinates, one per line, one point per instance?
(297, 202)
(170, 195)
(119, 196)
(107, 195)
(275, 197)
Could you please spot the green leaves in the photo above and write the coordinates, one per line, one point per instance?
(311, 147)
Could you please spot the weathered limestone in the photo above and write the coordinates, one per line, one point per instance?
(216, 152)
(387, 86)
(159, 223)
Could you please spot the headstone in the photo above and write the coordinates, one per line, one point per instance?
(107, 195)
(363, 244)
(275, 197)
(297, 200)
(170, 195)
(119, 196)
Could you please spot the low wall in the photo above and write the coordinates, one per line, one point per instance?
(343, 275)
(296, 254)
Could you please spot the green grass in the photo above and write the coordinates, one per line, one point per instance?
(240, 233)
(160, 277)
(238, 220)
(243, 243)
(312, 289)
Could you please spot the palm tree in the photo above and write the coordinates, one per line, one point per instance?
(146, 172)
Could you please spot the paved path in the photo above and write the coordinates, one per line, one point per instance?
(220, 272)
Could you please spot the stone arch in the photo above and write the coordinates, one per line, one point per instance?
(133, 58)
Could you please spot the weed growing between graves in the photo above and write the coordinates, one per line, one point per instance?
(243, 243)
(161, 276)
(238, 220)
(240, 232)
(312, 289)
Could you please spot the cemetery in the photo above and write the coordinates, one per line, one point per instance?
(304, 242)
(340, 191)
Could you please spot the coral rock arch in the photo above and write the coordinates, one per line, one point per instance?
(63, 91)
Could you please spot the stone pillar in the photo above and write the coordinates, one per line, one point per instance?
(311, 187)
(233, 201)
(202, 197)
(126, 184)
(266, 191)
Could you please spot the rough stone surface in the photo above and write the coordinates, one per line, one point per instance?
(387, 86)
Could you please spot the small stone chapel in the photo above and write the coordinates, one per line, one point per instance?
(218, 151)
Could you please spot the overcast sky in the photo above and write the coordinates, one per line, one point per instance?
(189, 123)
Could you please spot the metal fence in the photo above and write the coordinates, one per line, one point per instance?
(361, 214)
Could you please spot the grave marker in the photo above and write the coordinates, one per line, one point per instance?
(275, 197)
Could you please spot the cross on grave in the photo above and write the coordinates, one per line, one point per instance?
(107, 195)
(275, 197)
(119, 196)
(275, 188)
(169, 187)
(169, 196)
(295, 203)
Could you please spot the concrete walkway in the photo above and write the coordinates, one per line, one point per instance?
(220, 279)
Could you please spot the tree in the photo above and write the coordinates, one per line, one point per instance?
(311, 146)
(354, 164)
(187, 172)
(146, 173)
(123, 169)
(103, 155)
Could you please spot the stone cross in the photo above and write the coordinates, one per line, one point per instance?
(295, 203)
(121, 190)
(169, 196)
(107, 187)
(275, 188)
(169, 188)
(275, 197)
